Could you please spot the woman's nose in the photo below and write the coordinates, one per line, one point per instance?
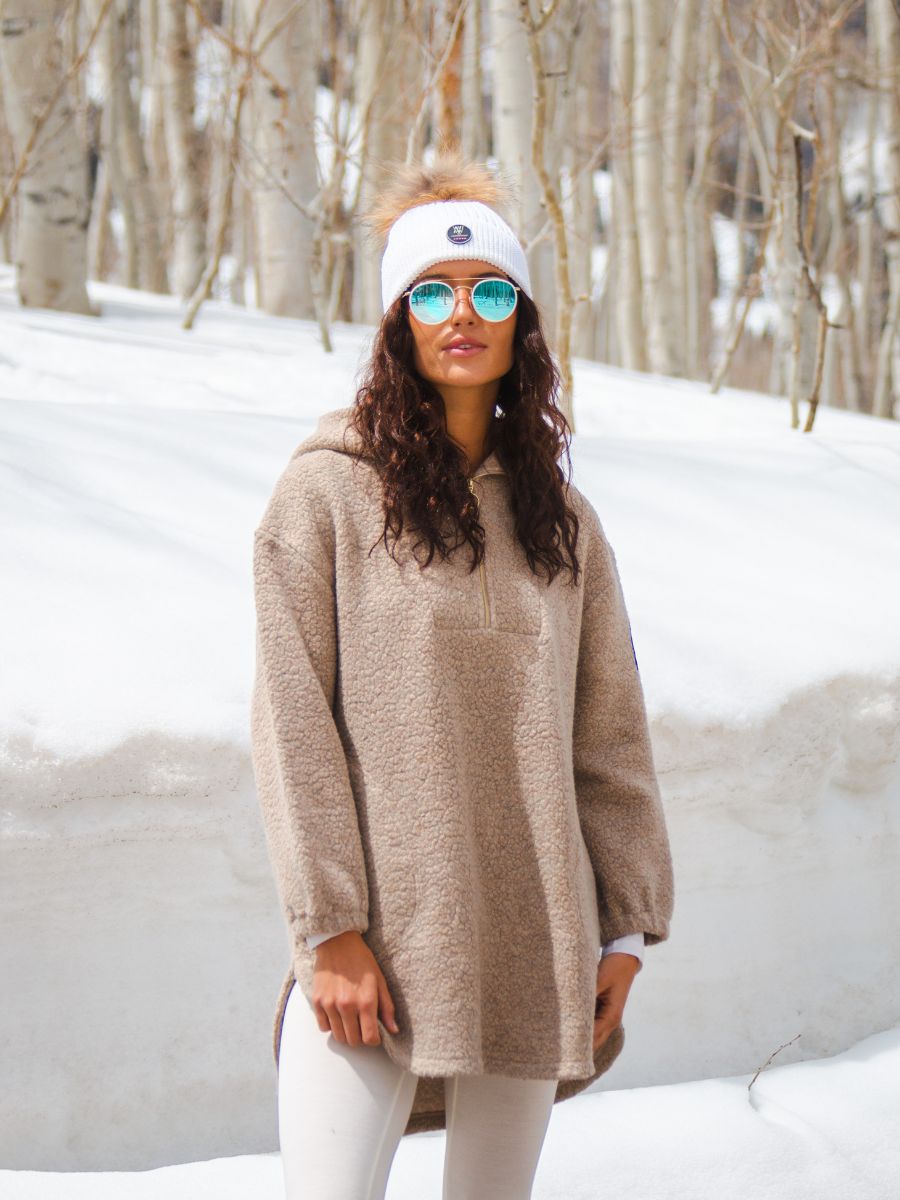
(462, 306)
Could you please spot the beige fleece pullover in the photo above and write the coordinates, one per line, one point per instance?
(458, 765)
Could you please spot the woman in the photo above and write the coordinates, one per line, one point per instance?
(451, 748)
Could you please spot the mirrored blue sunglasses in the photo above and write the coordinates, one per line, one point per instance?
(432, 301)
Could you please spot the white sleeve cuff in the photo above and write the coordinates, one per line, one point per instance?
(314, 939)
(630, 943)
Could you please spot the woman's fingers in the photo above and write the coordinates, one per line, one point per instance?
(388, 1016)
(349, 1011)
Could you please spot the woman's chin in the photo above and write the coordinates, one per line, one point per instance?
(469, 373)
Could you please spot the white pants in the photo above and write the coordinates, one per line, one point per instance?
(343, 1109)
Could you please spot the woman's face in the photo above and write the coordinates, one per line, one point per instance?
(491, 355)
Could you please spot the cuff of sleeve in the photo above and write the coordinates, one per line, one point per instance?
(315, 939)
(629, 943)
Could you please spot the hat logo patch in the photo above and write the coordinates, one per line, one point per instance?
(459, 234)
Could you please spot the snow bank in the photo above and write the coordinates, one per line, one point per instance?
(810, 1131)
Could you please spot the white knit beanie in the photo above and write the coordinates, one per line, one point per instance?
(448, 229)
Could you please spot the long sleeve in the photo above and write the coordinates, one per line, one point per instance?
(619, 804)
(303, 783)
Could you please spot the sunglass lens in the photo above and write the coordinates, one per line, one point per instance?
(431, 303)
(494, 299)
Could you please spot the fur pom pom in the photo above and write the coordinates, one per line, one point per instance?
(451, 176)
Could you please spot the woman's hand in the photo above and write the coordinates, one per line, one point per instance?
(348, 989)
(615, 973)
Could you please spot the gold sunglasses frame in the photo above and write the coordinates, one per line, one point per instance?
(450, 279)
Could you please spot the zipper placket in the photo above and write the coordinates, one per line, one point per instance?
(484, 593)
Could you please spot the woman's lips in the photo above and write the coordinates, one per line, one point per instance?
(464, 351)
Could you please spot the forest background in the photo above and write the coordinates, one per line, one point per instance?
(707, 189)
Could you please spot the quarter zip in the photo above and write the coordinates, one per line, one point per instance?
(484, 593)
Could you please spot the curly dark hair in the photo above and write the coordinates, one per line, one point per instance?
(401, 420)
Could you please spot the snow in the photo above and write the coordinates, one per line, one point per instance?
(139, 919)
(809, 1131)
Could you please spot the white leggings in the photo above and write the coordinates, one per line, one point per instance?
(343, 1109)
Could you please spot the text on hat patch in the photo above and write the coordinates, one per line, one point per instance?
(459, 234)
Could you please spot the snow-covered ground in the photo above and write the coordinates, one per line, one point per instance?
(821, 1130)
(141, 948)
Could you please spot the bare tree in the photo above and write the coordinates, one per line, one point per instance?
(447, 95)
(513, 91)
(884, 25)
(182, 146)
(386, 48)
(283, 166)
(550, 198)
(122, 154)
(677, 107)
(50, 145)
(631, 348)
(474, 128)
(699, 243)
(651, 203)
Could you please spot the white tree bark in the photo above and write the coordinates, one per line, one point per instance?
(144, 263)
(650, 202)
(283, 158)
(631, 350)
(579, 151)
(474, 129)
(151, 88)
(6, 156)
(98, 229)
(177, 77)
(386, 49)
(680, 81)
(512, 120)
(700, 246)
(51, 233)
(885, 27)
(841, 348)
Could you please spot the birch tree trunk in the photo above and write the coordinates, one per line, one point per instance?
(512, 128)
(474, 132)
(700, 246)
(151, 262)
(629, 317)
(885, 27)
(110, 122)
(51, 231)
(144, 265)
(151, 88)
(651, 205)
(579, 151)
(386, 48)
(6, 170)
(283, 169)
(865, 239)
(98, 227)
(841, 348)
(448, 93)
(177, 77)
(679, 87)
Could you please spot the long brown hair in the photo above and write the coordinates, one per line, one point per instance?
(401, 419)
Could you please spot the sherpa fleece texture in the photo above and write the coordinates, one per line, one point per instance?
(456, 764)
